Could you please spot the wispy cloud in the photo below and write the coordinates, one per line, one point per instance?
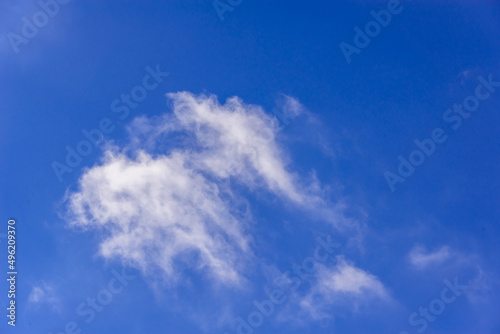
(343, 285)
(290, 106)
(168, 199)
(43, 294)
(36, 295)
(421, 259)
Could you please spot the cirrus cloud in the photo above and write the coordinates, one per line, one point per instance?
(168, 200)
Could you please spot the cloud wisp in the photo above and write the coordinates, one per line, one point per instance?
(168, 200)
(344, 284)
(420, 259)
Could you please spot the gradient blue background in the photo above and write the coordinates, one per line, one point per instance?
(394, 91)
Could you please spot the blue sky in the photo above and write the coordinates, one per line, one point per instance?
(249, 178)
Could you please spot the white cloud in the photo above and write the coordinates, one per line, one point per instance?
(43, 294)
(290, 106)
(346, 278)
(344, 285)
(421, 259)
(36, 295)
(167, 199)
(237, 140)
